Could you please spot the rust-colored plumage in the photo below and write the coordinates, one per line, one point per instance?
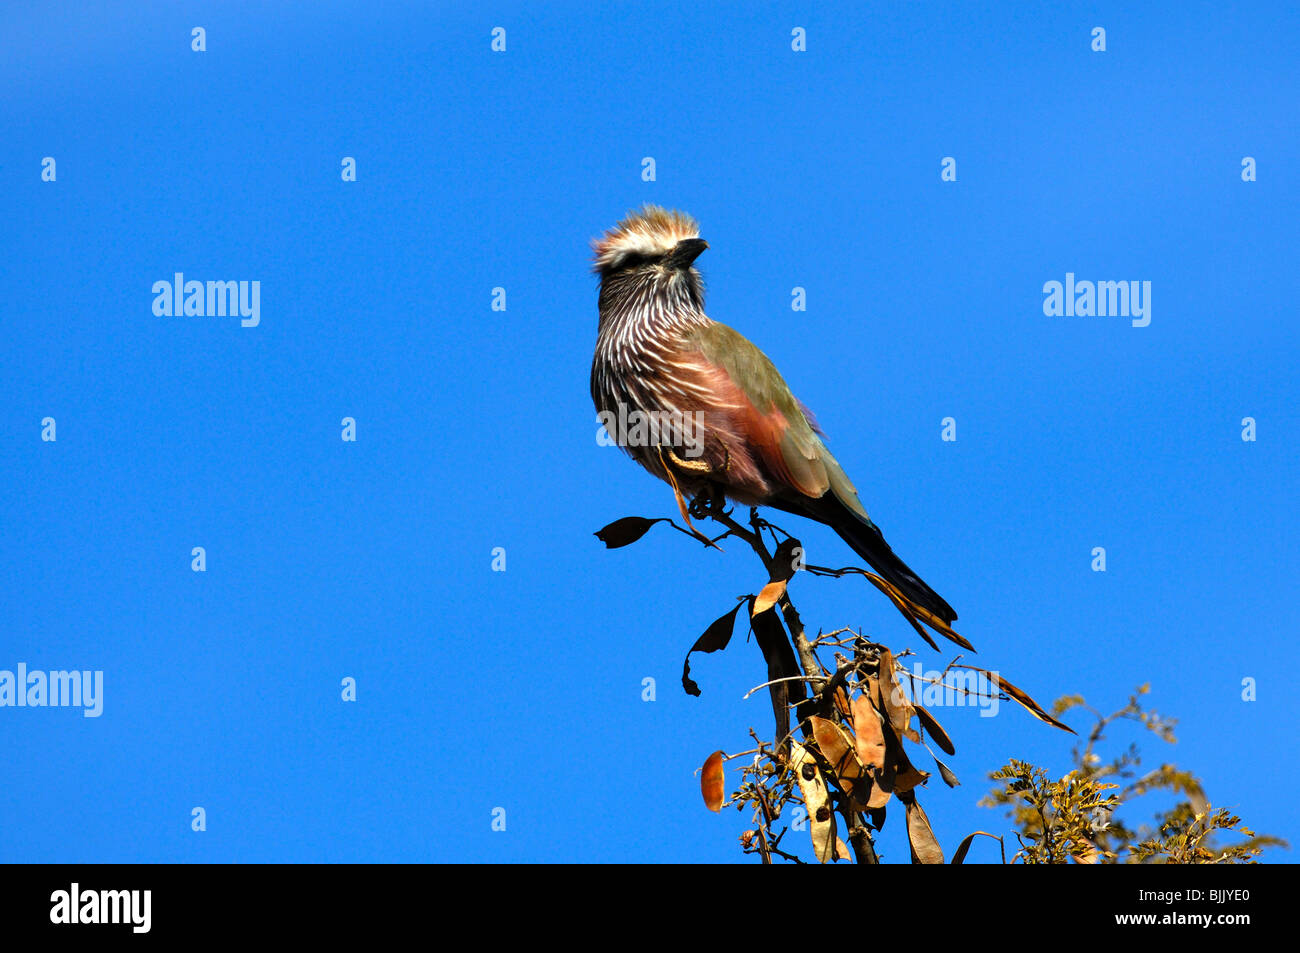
(722, 416)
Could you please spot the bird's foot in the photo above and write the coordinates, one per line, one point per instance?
(666, 456)
(709, 502)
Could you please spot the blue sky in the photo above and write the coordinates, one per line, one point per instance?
(373, 559)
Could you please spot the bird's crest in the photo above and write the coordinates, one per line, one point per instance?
(649, 232)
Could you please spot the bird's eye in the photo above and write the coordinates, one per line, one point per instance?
(631, 260)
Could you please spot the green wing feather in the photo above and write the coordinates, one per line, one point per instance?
(810, 464)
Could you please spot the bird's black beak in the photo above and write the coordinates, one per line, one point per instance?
(686, 251)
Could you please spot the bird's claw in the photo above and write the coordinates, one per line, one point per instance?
(708, 502)
(665, 454)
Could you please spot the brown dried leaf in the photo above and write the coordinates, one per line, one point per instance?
(869, 738)
(769, 596)
(896, 704)
(925, 849)
(909, 776)
(882, 789)
(873, 690)
(626, 531)
(883, 780)
(964, 847)
(934, 729)
(945, 772)
(817, 799)
(772, 641)
(715, 638)
(783, 561)
(837, 747)
(1028, 703)
(713, 782)
(782, 571)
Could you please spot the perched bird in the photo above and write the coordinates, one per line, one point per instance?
(702, 408)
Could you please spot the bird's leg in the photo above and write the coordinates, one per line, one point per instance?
(665, 456)
(710, 501)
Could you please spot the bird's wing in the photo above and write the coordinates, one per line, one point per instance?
(771, 418)
(768, 418)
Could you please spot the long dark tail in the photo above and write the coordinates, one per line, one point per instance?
(868, 542)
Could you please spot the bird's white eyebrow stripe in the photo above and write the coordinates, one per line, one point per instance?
(650, 232)
(639, 243)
